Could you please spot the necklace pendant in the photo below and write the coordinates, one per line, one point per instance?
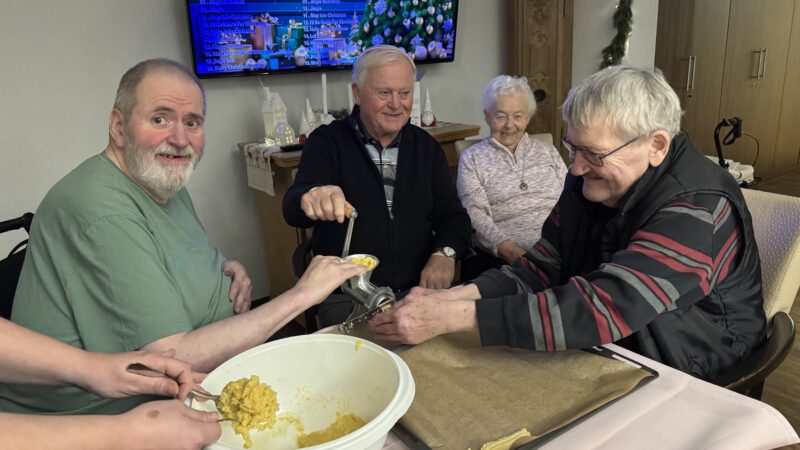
(523, 186)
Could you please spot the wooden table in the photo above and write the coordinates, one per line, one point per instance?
(280, 239)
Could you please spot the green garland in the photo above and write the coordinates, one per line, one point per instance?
(623, 22)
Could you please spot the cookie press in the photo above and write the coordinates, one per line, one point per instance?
(368, 299)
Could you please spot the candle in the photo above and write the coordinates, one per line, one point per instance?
(350, 95)
(324, 96)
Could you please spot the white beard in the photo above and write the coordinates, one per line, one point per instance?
(163, 181)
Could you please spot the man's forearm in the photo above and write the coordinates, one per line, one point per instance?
(30, 357)
(207, 347)
(24, 432)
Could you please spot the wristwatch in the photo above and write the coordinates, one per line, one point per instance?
(445, 251)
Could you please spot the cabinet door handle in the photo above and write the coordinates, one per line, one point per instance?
(755, 74)
(762, 64)
(694, 70)
(689, 75)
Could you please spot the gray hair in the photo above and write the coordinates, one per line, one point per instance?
(377, 56)
(506, 85)
(634, 102)
(126, 91)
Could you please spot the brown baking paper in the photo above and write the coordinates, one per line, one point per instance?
(467, 395)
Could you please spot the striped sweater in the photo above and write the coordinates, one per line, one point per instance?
(659, 278)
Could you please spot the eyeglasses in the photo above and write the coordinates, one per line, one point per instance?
(595, 159)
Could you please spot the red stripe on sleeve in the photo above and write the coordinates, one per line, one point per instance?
(722, 215)
(687, 206)
(652, 285)
(732, 240)
(619, 321)
(541, 249)
(672, 245)
(543, 278)
(675, 265)
(600, 320)
(547, 327)
(554, 216)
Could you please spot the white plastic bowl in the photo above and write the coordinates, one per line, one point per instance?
(315, 376)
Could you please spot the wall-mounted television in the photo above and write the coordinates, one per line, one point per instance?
(247, 37)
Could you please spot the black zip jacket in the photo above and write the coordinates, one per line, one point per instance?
(673, 274)
(426, 213)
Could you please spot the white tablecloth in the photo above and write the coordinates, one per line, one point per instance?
(674, 411)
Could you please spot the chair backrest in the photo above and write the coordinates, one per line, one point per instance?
(748, 376)
(462, 144)
(11, 265)
(776, 225)
(547, 138)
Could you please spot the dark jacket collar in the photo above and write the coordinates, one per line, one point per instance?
(366, 138)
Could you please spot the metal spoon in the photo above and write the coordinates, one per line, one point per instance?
(215, 399)
(141, 369)
(205, 395)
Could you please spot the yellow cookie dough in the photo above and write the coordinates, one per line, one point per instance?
(252, 403)
(366, 261)
(504, 443)
(344, 424)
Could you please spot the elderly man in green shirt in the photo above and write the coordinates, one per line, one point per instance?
(118, 260)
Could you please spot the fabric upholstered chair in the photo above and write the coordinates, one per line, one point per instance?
(776, 224)
(460, 145)
(547, 138)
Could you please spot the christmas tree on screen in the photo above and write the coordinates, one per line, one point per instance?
(424, 28)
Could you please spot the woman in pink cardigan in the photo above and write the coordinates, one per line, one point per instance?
(508, 182)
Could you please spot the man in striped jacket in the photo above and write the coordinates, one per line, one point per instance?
(650, 246)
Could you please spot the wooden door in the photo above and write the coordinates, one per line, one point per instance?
(755, 69)
(690, 50)
(787, 147)
(540, 48)
(705, 75)
(673, 44)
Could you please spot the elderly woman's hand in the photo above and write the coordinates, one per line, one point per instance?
(323, 275)
(510, 251)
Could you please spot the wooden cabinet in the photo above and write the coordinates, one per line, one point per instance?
(755, 70)
(540, 48)
(691, 43)
(788, 141)
(731, 58)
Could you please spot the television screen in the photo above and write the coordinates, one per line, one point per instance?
(243, 37)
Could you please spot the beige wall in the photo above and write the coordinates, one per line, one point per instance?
(593, 30)
(63, 59)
